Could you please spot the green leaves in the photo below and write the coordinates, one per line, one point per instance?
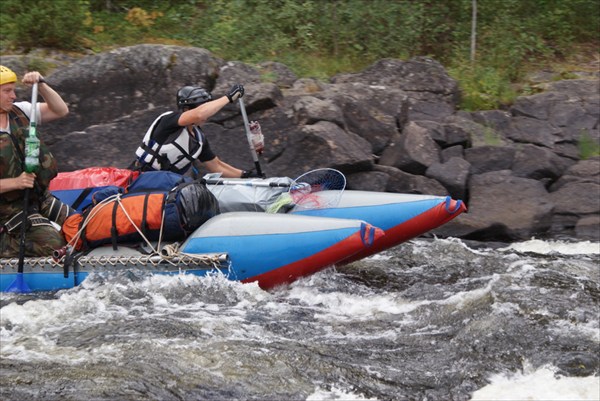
(321, 38)
(42, 23)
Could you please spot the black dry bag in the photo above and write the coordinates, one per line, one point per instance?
(196, 204)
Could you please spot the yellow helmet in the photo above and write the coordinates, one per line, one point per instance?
(7, 76)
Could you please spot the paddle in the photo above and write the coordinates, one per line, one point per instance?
(30, 164)
(249, 138)
(247, 183)
(302, 191)
(318, 180)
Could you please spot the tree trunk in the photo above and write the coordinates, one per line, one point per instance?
(473, 30)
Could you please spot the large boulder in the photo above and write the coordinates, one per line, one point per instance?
(484, 159)
(578, 215)
(503, 207)
(104, 87)
(412, 151)
(323, 143)
(403, 182)
(453, 175)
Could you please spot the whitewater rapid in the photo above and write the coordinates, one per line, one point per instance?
(432, 319)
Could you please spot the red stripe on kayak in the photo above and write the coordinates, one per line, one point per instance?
(319, 261)
(432, 218)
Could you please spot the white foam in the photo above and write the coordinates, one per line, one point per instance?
(31, 331)
(555, 247)
(336, 394)
(355, 306)
(382, 256)
(539, 385)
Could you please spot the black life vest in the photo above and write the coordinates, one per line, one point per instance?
(176, 154)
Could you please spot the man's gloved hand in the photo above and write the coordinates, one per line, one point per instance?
(251, 174)
(236, 92)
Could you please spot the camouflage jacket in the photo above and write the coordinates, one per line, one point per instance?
(12, 160)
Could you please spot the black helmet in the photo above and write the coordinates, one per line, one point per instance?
(192, 96)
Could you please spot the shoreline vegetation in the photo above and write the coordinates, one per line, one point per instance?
(496, 54)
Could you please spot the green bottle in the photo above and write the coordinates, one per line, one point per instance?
(32, 150)
(32, 142)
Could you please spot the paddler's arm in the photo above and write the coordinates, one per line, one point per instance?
(25, 180)
(202, 113)
(54, 106)
(217, 165)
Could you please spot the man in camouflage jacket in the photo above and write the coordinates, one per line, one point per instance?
(41, 237)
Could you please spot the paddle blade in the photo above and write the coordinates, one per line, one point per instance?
(18, 285)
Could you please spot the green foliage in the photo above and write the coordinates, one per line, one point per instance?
(588, 147)
(41, 23)
(321, 38)
(482, 88)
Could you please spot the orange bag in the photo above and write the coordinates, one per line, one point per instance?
(109, 222)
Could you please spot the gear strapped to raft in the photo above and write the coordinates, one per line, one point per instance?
(149, 215)
(144, 211)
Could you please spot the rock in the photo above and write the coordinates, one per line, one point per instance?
(477, 134)
(577, 364)
(588, 198)
(110, 144)
(323, 143)
(368, 181)
(457, 134)
(305, 86)
(402, 182)
(105, 87)
(586, 171)
(452, 151)
(537, 106)
(429, 110)
(531, 130)
(503, 207)
(412, 151)
(277, 73)
(374, 112)
(453, 175)
(484, 159)
(539, 163)
(588, 228)
(309, 110)
(497, 120)
(257, 97)
(422, 78)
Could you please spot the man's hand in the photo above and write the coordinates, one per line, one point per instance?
(236, 92)
(25, 180)
(251, 174)
(32, 77)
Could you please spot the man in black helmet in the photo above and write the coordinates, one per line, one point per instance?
(175, 141)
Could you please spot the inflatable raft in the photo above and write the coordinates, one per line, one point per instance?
(247, 241)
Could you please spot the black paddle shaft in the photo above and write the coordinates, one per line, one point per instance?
(23, 231)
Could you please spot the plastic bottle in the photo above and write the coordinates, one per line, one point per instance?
(32, 151)
(258, 140)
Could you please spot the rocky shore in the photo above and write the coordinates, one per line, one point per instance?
(393, 127)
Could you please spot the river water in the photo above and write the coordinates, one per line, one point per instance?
(431, 319)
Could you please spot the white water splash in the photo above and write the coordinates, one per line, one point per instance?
(31, 331)
(356, 307)
(555, 247)
(336, 394)
(539, 385)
